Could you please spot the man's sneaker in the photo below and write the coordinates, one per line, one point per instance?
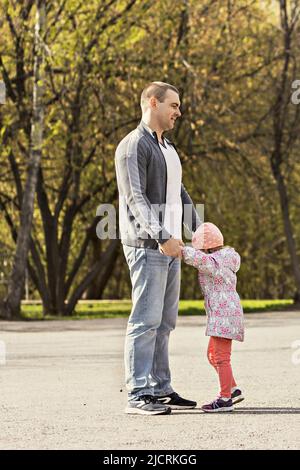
(176, 402)
(218, 405)
(147, 405)
(237, 396)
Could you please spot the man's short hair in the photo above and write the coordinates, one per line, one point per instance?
(156, 89)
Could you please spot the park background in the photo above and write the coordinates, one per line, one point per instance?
(73, 73)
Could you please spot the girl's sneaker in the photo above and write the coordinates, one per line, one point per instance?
(218, 405)
(237, 396)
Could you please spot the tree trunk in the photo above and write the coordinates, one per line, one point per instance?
(280, 119)
(94, 271)
(291, 244)
(16, 284)
(95, 290)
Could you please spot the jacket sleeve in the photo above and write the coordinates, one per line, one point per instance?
(191, 219)
(131, 167)
(200, 260)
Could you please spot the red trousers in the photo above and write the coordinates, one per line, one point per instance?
(218, 354)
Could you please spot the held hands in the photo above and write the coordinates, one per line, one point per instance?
(172, 248)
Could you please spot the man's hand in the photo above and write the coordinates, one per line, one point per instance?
(172, 248)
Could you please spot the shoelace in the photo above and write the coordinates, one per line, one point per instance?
(149, 399)
(216, 404)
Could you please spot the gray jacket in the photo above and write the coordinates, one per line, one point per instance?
(142, 182)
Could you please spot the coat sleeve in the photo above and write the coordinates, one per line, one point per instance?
(131, 168)
(200, 260)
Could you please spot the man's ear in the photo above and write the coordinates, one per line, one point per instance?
(153, 102)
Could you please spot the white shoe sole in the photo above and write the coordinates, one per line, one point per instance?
(139, 411)
(219, 410)
(238, 400)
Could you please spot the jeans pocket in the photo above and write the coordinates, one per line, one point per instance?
(129, 253)
(140, 255)
(134, 255)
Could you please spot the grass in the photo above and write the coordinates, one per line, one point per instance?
(121, 308)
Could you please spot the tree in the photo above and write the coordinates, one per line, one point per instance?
(16, 284)
(286, 125)
(227, 60)
(81, 68)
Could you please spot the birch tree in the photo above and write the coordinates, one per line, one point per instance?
(16, 283)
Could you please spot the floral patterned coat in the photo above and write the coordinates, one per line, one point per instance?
(217, 279)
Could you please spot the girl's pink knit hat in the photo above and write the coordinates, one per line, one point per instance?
(207, 236)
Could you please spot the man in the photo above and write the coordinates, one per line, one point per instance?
(152, 198)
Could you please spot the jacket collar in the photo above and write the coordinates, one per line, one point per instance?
(147, 131)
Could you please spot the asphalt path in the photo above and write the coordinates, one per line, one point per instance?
(62, 387)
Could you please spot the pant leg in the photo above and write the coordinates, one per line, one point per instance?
(148, 273)
(161, 374)
(222, 354)
(211, 353)
(212, 360)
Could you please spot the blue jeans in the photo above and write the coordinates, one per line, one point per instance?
(155, 280)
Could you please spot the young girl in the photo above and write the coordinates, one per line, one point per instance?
(217, 266)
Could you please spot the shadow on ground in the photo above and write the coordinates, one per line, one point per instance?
(254, 411)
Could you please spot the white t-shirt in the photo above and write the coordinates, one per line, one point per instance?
(173, 212)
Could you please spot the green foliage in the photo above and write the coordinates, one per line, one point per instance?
(115, 309)
(226, 59)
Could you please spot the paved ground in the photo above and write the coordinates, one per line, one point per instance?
(61, 388)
